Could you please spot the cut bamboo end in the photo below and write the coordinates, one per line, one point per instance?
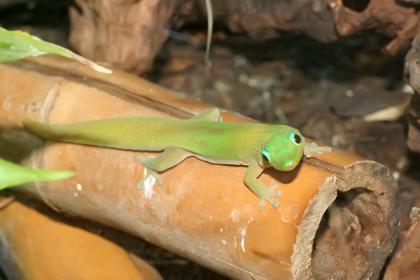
(344, 221)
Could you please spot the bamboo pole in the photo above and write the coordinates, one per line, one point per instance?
(337, 216)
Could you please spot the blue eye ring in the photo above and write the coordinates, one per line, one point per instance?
(265, 155)
(295, 138)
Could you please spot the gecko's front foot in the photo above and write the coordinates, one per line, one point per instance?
(312, 148)
(270, 195)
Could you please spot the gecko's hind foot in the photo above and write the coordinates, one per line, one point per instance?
(145, 161)
(269, 195)
(149, 181)
(149, 174)
(150, 178)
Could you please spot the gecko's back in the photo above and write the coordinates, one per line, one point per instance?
(207, 138)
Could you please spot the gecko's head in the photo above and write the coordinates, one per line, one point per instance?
(284, 150)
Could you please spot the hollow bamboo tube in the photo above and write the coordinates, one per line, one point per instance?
(35, 246)
(203, 212)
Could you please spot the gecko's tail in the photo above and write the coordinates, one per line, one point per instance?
(95, 133)
(116, 133)
(41, 129)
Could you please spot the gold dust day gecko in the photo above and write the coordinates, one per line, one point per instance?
(256, 145)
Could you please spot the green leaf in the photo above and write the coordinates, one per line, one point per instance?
(12, 174)
(15, 45)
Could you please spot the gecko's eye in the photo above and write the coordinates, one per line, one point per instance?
(265, 155)
(295, 138)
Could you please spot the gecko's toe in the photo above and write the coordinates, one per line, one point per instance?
(275, 204)
(156, 176)
(271, 194)
(267, 194)
(150, 177)
(140, 185)
(159, 180)
(261, 204)
(144, 160)
(278, 194)
(148, 172)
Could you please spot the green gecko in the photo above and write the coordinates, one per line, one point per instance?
(12, 174)
(256, 145)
